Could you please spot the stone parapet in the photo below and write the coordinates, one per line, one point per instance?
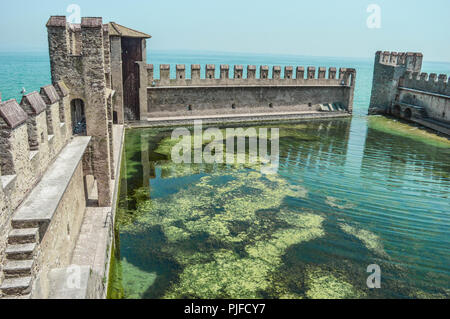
(242, 75)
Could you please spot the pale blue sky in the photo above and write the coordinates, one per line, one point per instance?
(317, 27)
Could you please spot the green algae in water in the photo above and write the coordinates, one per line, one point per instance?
(337, 203)
(204, 209)
(229, 231)
(408, 130)
(136, 281)
(325, 285)
(370, 240)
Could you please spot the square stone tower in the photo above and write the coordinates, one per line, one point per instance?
(389, 67)
(98, 64)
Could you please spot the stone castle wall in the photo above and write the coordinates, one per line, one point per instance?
(44, 166)
(32, 134)
(401, 89)
(57, 246)
(428, 91)
(245, 92)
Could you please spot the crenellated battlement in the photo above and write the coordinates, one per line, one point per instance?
(412, 61)
(32, 133)
(247, 75)
(432, 82)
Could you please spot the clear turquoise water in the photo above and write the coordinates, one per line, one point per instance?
(340, 201)
(373, 191)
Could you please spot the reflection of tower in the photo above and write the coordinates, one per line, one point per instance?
(145, 159)
(380, 157)
(123, 189)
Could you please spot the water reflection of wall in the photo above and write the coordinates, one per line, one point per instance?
(321, 145)
(396, 157)
(314, 144)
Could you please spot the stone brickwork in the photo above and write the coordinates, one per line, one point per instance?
(42, 201)
(31, 137)
(43, 165)
(87, 74)
(401, 89)
(96, 107)
(117, 79)
(182, 96)
(56, 247)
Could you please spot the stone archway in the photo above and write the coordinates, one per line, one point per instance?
(407, 114)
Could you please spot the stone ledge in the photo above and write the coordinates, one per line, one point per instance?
(62, 285)
(7, 180)
(231, 116)
(241, 119)
(33, 154)
(434, 125)
(44, 199)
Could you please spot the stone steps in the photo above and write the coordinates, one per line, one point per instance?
(32, 218)
(18, 268)
(16, 286)
(24, 223)
(20, 251)
(23, 236)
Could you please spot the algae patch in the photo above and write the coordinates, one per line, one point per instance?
(241, 212)
(398, 128)
(137, 281)
(369, 239)
(325, 285)
(338, 203)
(231, 276)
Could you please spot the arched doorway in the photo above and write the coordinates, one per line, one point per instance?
(408, 114)
(397, 111)
(78, 117)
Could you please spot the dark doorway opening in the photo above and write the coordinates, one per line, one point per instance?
(115, 121)
(408, 114)
(396, 111)
(78, 117)
(131, 53)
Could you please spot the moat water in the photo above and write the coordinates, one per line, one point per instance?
(348, 193)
